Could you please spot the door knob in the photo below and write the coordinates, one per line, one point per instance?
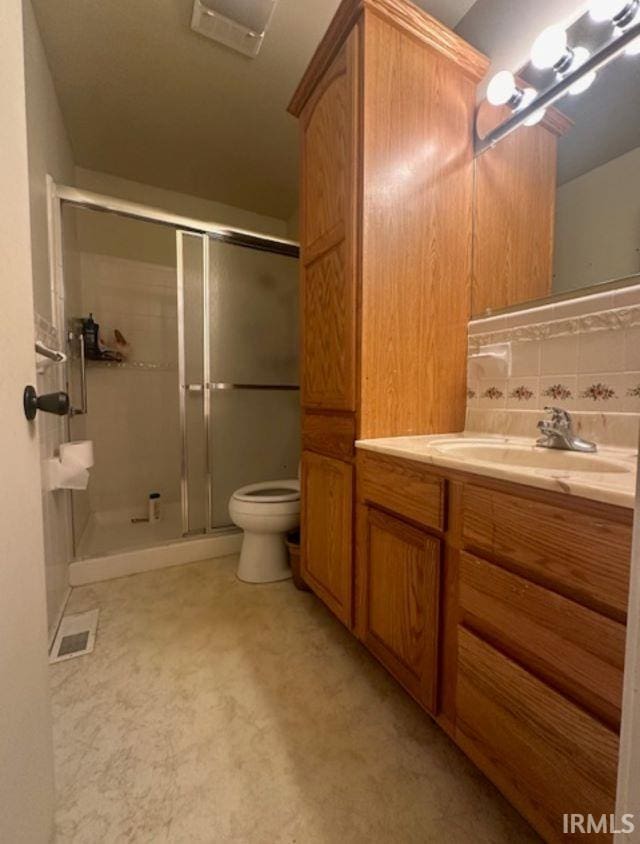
(57, 403)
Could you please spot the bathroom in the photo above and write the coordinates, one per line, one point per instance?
(322, 399)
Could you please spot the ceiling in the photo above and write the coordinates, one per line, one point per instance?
(145, 98)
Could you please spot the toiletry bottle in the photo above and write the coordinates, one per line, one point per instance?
(91, 332)
(154, 506)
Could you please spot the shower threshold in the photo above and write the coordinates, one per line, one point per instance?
(113, 546)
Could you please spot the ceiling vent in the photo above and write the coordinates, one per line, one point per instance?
(238, 24)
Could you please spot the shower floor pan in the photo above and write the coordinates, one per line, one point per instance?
(113, 546)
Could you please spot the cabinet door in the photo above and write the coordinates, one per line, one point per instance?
(400, 568)
(328, 127)
(327, 502)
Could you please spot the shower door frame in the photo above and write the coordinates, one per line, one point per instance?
(60, 195)
(207, 387)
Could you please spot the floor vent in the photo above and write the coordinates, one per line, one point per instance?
(75, 637)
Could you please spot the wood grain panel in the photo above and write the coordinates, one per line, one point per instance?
(328, 234)
(402, 486)
(546, 755)
(329, 433)
(579, 652)
(569, 551)
(405, 16)
(326, 150)
(401, 603)
(326, 531)
(416, 238)
(515, 199)
(328, 344)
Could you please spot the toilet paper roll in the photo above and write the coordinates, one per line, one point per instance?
(65, 475)
(78, 451)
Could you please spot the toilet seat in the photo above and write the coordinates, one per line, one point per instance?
(269, 492)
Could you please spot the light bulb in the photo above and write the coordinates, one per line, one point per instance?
(550, 48)
(536, 117)
(528, 96)
(580, 55)
(583, 84)
(634, 48)
(612, 10)
(501, 88)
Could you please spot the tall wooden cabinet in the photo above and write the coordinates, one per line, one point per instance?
(386, 114)
(514, 208)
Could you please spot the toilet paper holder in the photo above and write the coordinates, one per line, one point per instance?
(57, 403)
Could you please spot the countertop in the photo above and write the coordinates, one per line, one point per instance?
(615, 487)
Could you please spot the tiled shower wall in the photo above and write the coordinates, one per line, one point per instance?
(582, 354)
(133, 420)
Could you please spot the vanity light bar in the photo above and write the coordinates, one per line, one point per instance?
(570, 80)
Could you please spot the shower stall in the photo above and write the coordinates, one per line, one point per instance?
(193, 390)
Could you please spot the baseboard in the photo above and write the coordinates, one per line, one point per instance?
(109, 567)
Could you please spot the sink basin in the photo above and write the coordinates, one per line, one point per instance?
(546, 459)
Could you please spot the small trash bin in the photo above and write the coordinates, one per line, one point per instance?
(293, 547)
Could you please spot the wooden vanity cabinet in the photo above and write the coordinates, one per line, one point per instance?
(385, 252)
(399, 568)
(501, 609)
(326, 531)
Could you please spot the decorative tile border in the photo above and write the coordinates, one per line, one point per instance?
(617, 318)
(492, 393)
(598, 392)
(558, 392)
(522, 393)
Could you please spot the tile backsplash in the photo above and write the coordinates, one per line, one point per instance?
(582, 354)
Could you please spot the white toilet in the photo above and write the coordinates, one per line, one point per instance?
(265, 511)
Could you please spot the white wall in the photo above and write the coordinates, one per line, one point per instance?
(26, 769)
(49, 153)
(598, 225)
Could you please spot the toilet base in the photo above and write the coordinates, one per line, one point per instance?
(263, 558)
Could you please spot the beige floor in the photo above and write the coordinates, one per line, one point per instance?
(213, 711)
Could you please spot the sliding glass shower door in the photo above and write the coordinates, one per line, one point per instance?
(238, 312)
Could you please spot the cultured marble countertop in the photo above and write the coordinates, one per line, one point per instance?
(616, 487)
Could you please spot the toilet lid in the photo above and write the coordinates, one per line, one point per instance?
(269, 492)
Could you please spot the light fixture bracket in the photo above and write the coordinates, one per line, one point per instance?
(564, 62)
(628, 14)
(599, 59)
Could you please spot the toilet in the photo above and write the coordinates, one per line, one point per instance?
(266, 512)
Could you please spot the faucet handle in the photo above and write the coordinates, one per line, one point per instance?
(560, 417)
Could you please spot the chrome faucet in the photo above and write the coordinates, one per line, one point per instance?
(557, 432)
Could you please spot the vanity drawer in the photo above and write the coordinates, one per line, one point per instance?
(546, 754)
(580, 553)
(404, 487)
(576, 650)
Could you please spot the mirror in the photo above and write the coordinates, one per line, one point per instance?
(584, 231)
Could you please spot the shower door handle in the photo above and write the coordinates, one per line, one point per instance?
(194, 388)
